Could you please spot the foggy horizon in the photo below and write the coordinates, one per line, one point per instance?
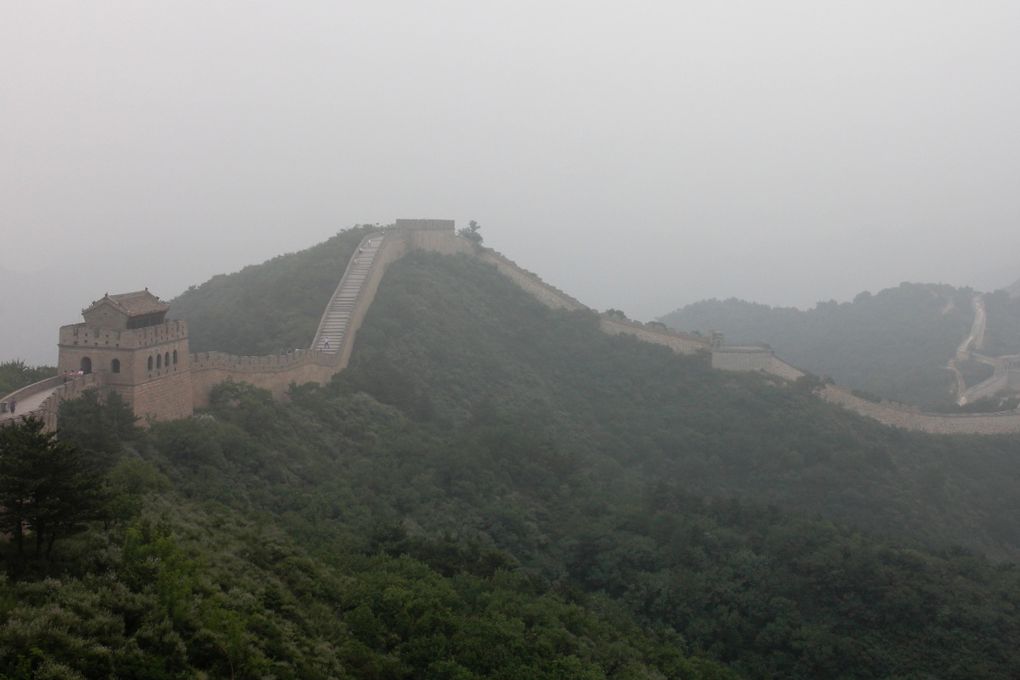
(640, 159)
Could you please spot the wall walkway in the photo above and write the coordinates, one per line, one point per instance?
(42, 399)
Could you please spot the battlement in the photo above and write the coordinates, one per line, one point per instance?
(85, 335)
(203, 361)
(425, 225)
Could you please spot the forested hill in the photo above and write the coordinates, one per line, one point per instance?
(494, 489)
(447, 336)
(895, 343)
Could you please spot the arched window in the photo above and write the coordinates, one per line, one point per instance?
(115, 366)
(86, 365)
(159, 361)
(150, 362)
(166, 360)
(175, 357)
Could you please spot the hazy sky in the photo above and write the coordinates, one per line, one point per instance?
(639, 155)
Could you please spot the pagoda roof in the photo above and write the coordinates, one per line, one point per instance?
(138, 303)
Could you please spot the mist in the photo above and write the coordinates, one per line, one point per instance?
(639, 157)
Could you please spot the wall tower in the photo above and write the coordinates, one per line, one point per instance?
(128, 343)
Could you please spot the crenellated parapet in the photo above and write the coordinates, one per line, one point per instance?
(203, 361)
(681, 343)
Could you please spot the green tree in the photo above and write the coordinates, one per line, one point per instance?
(98, 425)
(46, 486)
(16, 374)
(471, 232)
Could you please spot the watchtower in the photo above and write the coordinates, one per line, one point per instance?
(131, 347)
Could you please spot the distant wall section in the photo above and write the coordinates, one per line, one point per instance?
(678, 342)
(935, 423)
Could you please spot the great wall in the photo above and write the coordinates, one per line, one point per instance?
(126, 345)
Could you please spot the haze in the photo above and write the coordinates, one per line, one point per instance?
(638, 155)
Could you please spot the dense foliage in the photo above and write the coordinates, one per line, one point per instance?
(494, 489)
(267, 308)
(174, 583)
(15, 374)
(1003, 333)
(895, 343)
(447, 339)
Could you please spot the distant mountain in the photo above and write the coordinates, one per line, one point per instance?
(1014, 290)
(895, 343)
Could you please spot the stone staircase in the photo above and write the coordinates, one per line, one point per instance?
(336, 318)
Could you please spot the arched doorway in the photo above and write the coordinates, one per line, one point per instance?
(86, 365)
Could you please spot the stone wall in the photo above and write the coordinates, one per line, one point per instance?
(167, 397)
(780, 368)
(273, 372)
(409, 225)
(392, 249)
(988, 388)
(444, 242)
(742, 359)
(1011, 369)
(60, 390)
(935, 423)
(548, 295)
(678, 342)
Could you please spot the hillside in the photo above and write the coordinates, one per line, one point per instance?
(447, 334)
(494, 489)
(270, 307)
(1003, 334)
(895, 343)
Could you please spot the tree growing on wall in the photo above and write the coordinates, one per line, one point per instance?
(471, 232)
(47, 487)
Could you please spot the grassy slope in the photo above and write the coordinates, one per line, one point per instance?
(895, 343)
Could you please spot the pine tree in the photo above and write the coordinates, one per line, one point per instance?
(47, 486)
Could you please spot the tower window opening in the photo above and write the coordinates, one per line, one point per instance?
(115, 366)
